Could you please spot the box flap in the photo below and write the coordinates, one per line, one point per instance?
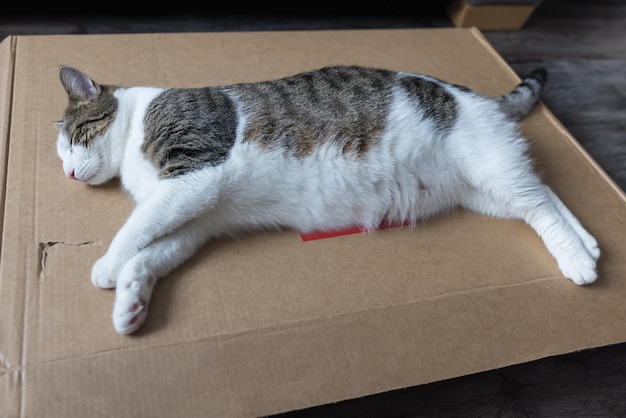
(270, 323)
(6, 90)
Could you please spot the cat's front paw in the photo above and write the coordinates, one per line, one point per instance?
(132, 296)
(131, 307)
(104, 273)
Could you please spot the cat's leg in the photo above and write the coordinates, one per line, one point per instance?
(139, 275)
(588, 240)
(574, 249)
(171, 205)
(568, 245)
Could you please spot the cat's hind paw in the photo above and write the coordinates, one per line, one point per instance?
(581, 269)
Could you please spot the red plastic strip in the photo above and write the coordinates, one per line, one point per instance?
(315, 235)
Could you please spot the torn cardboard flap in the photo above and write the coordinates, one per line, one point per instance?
(269, 323)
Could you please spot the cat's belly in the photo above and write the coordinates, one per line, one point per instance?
(330, 193)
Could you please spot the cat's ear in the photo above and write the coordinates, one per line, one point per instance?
(79, 86)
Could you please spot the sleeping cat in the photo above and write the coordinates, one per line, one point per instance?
(327, 149)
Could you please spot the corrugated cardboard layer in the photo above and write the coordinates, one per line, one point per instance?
(270, 323)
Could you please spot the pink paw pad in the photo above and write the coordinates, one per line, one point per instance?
(136, 308)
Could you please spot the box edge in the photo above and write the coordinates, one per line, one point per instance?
(11, 391)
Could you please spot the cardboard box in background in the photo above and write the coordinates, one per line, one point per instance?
(269, 323)
(491, 14)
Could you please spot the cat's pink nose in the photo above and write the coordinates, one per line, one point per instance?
(71, 175)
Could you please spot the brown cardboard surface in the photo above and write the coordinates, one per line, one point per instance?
(269, 323)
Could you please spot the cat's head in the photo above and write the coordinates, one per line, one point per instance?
(84, 143)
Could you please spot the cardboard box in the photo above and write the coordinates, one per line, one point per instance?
(492, 15)
(269, 323)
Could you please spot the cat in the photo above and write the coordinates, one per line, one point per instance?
(325, 149)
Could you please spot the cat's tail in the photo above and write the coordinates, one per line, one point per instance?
(519, 102)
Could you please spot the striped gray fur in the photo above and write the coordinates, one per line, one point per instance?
(84, 120)
(342, 105)
(187, 129)
(346, 106)
(521, 100)
(433, 100)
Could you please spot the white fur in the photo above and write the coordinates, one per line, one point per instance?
(412, 173)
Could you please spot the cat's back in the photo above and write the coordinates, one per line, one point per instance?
(349, 109)
(349, 106)
(333, 92)
(339, 104)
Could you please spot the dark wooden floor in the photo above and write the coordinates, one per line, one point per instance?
(583, 45)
